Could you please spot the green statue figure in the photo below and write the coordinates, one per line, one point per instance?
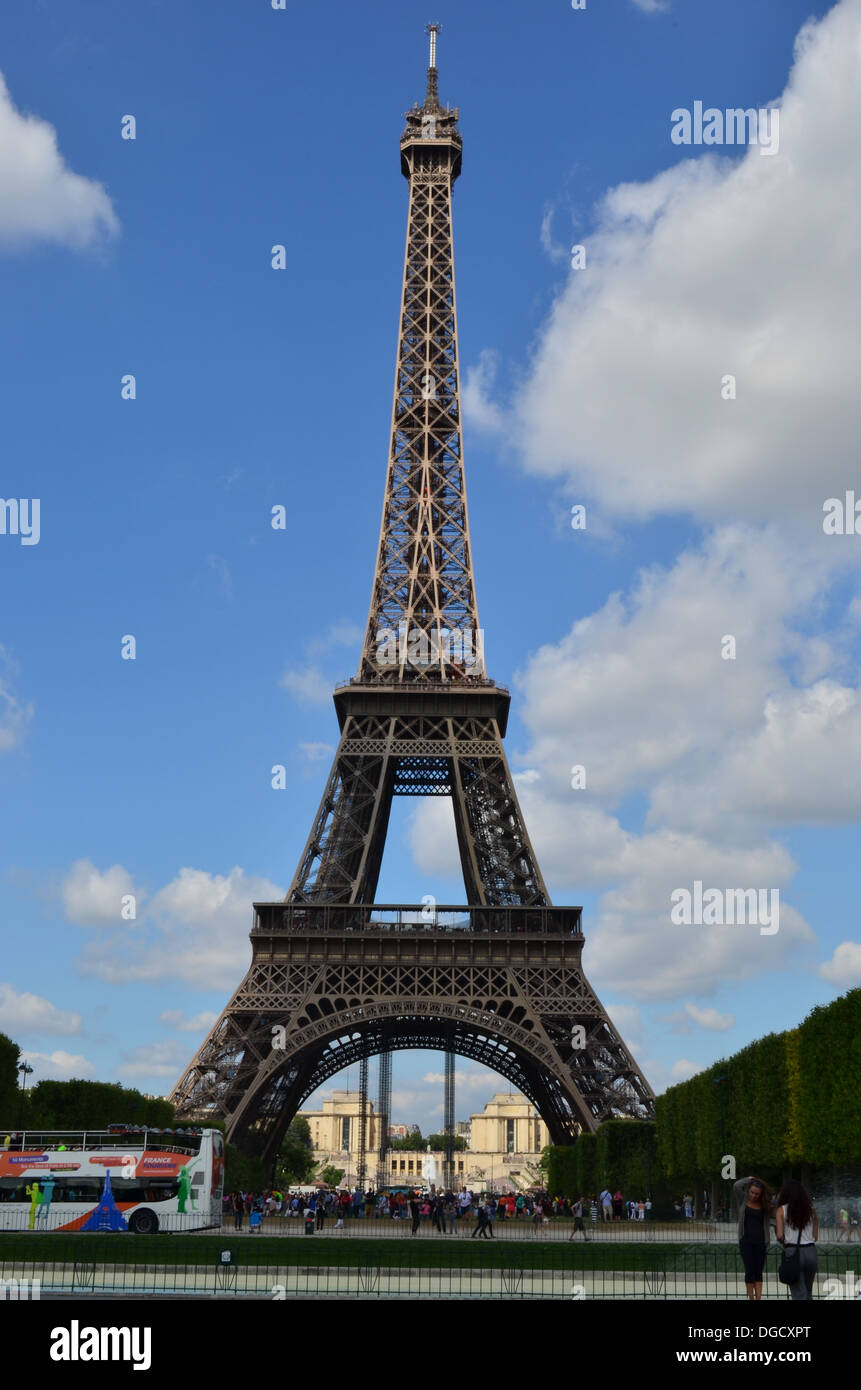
(184, 1189)
(47, 1193)
(35, 1196)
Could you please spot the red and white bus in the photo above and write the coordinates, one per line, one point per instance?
(160, 1179)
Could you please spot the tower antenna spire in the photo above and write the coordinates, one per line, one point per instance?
(432, 95)
(433, 30)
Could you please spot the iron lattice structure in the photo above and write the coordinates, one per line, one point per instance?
(334, 978)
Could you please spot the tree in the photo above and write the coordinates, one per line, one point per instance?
(437, 1143)
(331, 1175)
(412, 1141)
(94, 1105)
(10, 1054)
(295, 1162)
(242, 1173)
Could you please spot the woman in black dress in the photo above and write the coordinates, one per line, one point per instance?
(754, 1234)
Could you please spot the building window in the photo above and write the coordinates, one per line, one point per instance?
(509, 1136)
(345, 1132)
(410, 1166)
(460, 1165)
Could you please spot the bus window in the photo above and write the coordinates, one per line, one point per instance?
(146, 1190)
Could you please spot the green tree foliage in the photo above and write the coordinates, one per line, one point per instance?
(331, 1175)
(572, 1171)
(93, 1105)
(788, 1099)
(295, 1163)
(626, 1156)
(242, 1173)
(414, 1141)
(10, 1100)
(828, 1108)
(437, 1143)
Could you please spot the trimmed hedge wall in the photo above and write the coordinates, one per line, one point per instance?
(789, 1099)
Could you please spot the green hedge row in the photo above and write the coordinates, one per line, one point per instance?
(789, 1099)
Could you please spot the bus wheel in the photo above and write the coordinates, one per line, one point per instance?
(144, 1222)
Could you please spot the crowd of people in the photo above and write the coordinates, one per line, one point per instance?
(790, 1215)
(444, 1212)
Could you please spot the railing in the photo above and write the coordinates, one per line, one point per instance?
(341, 1267)
(424, 682)
(52, 1141)
(312, 918)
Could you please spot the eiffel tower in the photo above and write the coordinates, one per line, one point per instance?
(336, 978)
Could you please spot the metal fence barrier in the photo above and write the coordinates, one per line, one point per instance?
(609, 1272)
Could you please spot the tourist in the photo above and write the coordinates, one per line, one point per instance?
(606, 1200)
(754, 1233)
(238, 1204)
(798, 1232)
(490, 1207)
(618, 1204)
(450, 1210)
(436, 1208)
(481, 1224)
(415, 1213)
(577, 1212)
(688, 1202)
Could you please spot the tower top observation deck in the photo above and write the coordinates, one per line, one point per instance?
(431, 125)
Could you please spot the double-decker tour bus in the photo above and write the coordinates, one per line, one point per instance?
(125, 1177)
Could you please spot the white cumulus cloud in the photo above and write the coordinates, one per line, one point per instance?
(710, 1019)
(844, 967)
(94, 898)
(176, 1018)
(30, 1013)
(194, 929)
(41, 198)
(718, 265)
(59, 1066)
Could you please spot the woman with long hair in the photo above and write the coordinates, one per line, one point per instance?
(798, 1232)
(753, 1231)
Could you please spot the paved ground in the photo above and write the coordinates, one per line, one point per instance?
(332, 1282)
(615, 1233)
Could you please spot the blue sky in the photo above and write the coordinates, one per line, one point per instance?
(256, 387)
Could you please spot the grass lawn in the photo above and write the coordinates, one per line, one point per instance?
(174, 1250)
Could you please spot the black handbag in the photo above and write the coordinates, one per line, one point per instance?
(789, 1270)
